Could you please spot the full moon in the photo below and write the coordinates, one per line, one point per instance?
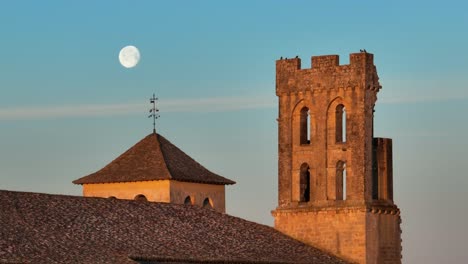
(129, 56)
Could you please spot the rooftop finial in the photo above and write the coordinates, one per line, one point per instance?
(154, 112)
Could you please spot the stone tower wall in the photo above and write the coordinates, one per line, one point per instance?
(321, 89)
(315, 205)
(340, 232)
(383, 237)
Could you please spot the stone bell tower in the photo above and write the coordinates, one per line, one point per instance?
(335, 178)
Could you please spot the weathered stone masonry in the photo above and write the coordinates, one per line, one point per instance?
(334, 178)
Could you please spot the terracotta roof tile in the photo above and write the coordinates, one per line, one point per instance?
(43, 228)
(153, 158)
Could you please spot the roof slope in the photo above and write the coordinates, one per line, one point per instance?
(153, 158)
(43, 228)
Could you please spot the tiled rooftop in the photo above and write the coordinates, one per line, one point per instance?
(153, 158)
(43, 228)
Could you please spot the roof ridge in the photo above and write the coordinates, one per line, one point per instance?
(185, 155)
(162, 153)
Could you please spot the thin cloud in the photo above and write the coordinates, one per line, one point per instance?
(217, 104)
(430, 89)
(423, 98)
(220, 104)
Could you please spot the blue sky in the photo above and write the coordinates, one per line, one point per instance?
(67, 107)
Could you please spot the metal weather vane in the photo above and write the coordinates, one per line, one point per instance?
(154, 112)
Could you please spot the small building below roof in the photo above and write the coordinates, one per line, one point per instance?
(156, 170)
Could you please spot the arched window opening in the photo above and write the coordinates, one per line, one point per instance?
(141, 198)
(345, 195)
(341, 181)
(304, 183)
(207, 203)
(188, 200)
(344, 129)
(340, 118)
(305, 126)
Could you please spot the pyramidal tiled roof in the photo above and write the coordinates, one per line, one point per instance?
(153, 158)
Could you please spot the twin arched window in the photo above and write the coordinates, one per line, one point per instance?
(305, 180)
(305, 125)
(207, 203)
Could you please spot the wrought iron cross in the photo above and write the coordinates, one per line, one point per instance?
(154, 112)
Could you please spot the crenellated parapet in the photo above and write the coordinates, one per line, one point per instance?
(327, 73)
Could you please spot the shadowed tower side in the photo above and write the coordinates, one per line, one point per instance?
(335, 178)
